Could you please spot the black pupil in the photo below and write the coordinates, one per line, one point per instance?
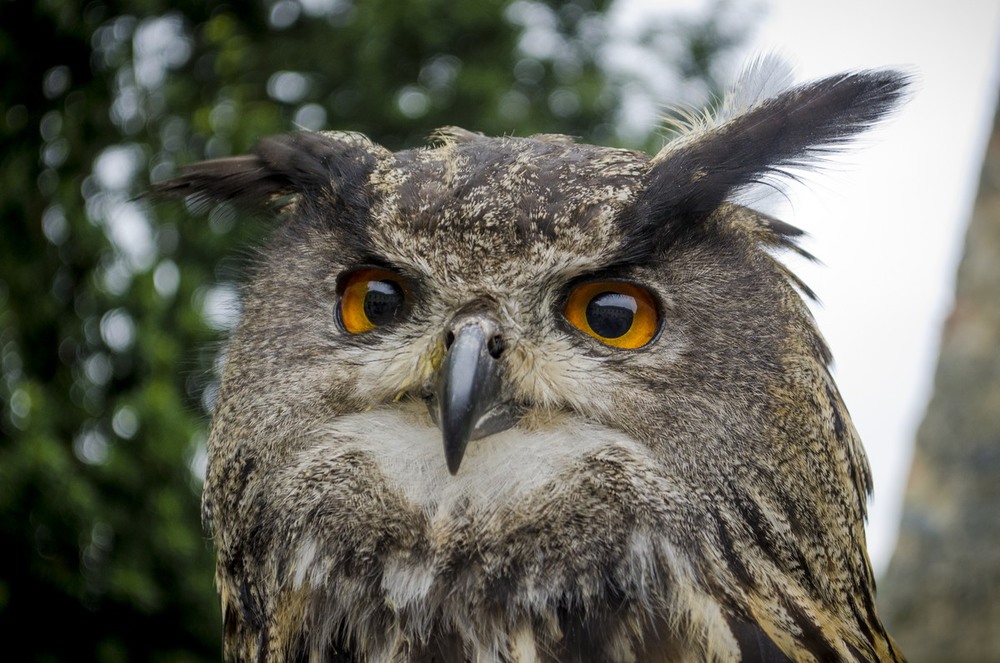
(610, 314)
(382, 302)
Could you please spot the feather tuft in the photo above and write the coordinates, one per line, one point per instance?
(764, 77)
(280, 166)
(763, 132)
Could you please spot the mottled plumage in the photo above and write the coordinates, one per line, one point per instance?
(699, 497)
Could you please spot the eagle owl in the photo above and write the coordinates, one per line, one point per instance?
(524, 399)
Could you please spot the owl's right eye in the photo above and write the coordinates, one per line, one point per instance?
(370, 298)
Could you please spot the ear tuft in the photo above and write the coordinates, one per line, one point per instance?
(335, 164)
(762, 130)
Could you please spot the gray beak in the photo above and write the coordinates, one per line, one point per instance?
(469, 402)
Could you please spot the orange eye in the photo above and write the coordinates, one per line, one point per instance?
(616, 313)
(370, 298)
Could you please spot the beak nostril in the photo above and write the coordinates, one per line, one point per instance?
(495, 346)
(449, 338)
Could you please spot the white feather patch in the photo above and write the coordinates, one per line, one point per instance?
(498, 470)
(764, 77)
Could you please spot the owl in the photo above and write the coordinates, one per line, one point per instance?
(530, 400)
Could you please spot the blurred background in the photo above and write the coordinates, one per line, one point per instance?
(112, 310)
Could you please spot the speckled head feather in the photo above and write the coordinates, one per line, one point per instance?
(522, 399)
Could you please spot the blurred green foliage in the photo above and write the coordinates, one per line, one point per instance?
(111, 310)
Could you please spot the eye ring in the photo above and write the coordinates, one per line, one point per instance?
(369, 298)
(620, 314)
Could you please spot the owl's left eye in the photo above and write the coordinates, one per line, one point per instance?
(616, 313)
(370, 298)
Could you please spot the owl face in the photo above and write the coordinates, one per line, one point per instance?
(496, 331)
(494, 345)
(525, 399)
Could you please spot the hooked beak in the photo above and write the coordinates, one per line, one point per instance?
(469, 402)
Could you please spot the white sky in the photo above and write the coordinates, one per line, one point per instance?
(888, 221)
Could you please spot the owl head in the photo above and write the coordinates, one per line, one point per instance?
(524, 399)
